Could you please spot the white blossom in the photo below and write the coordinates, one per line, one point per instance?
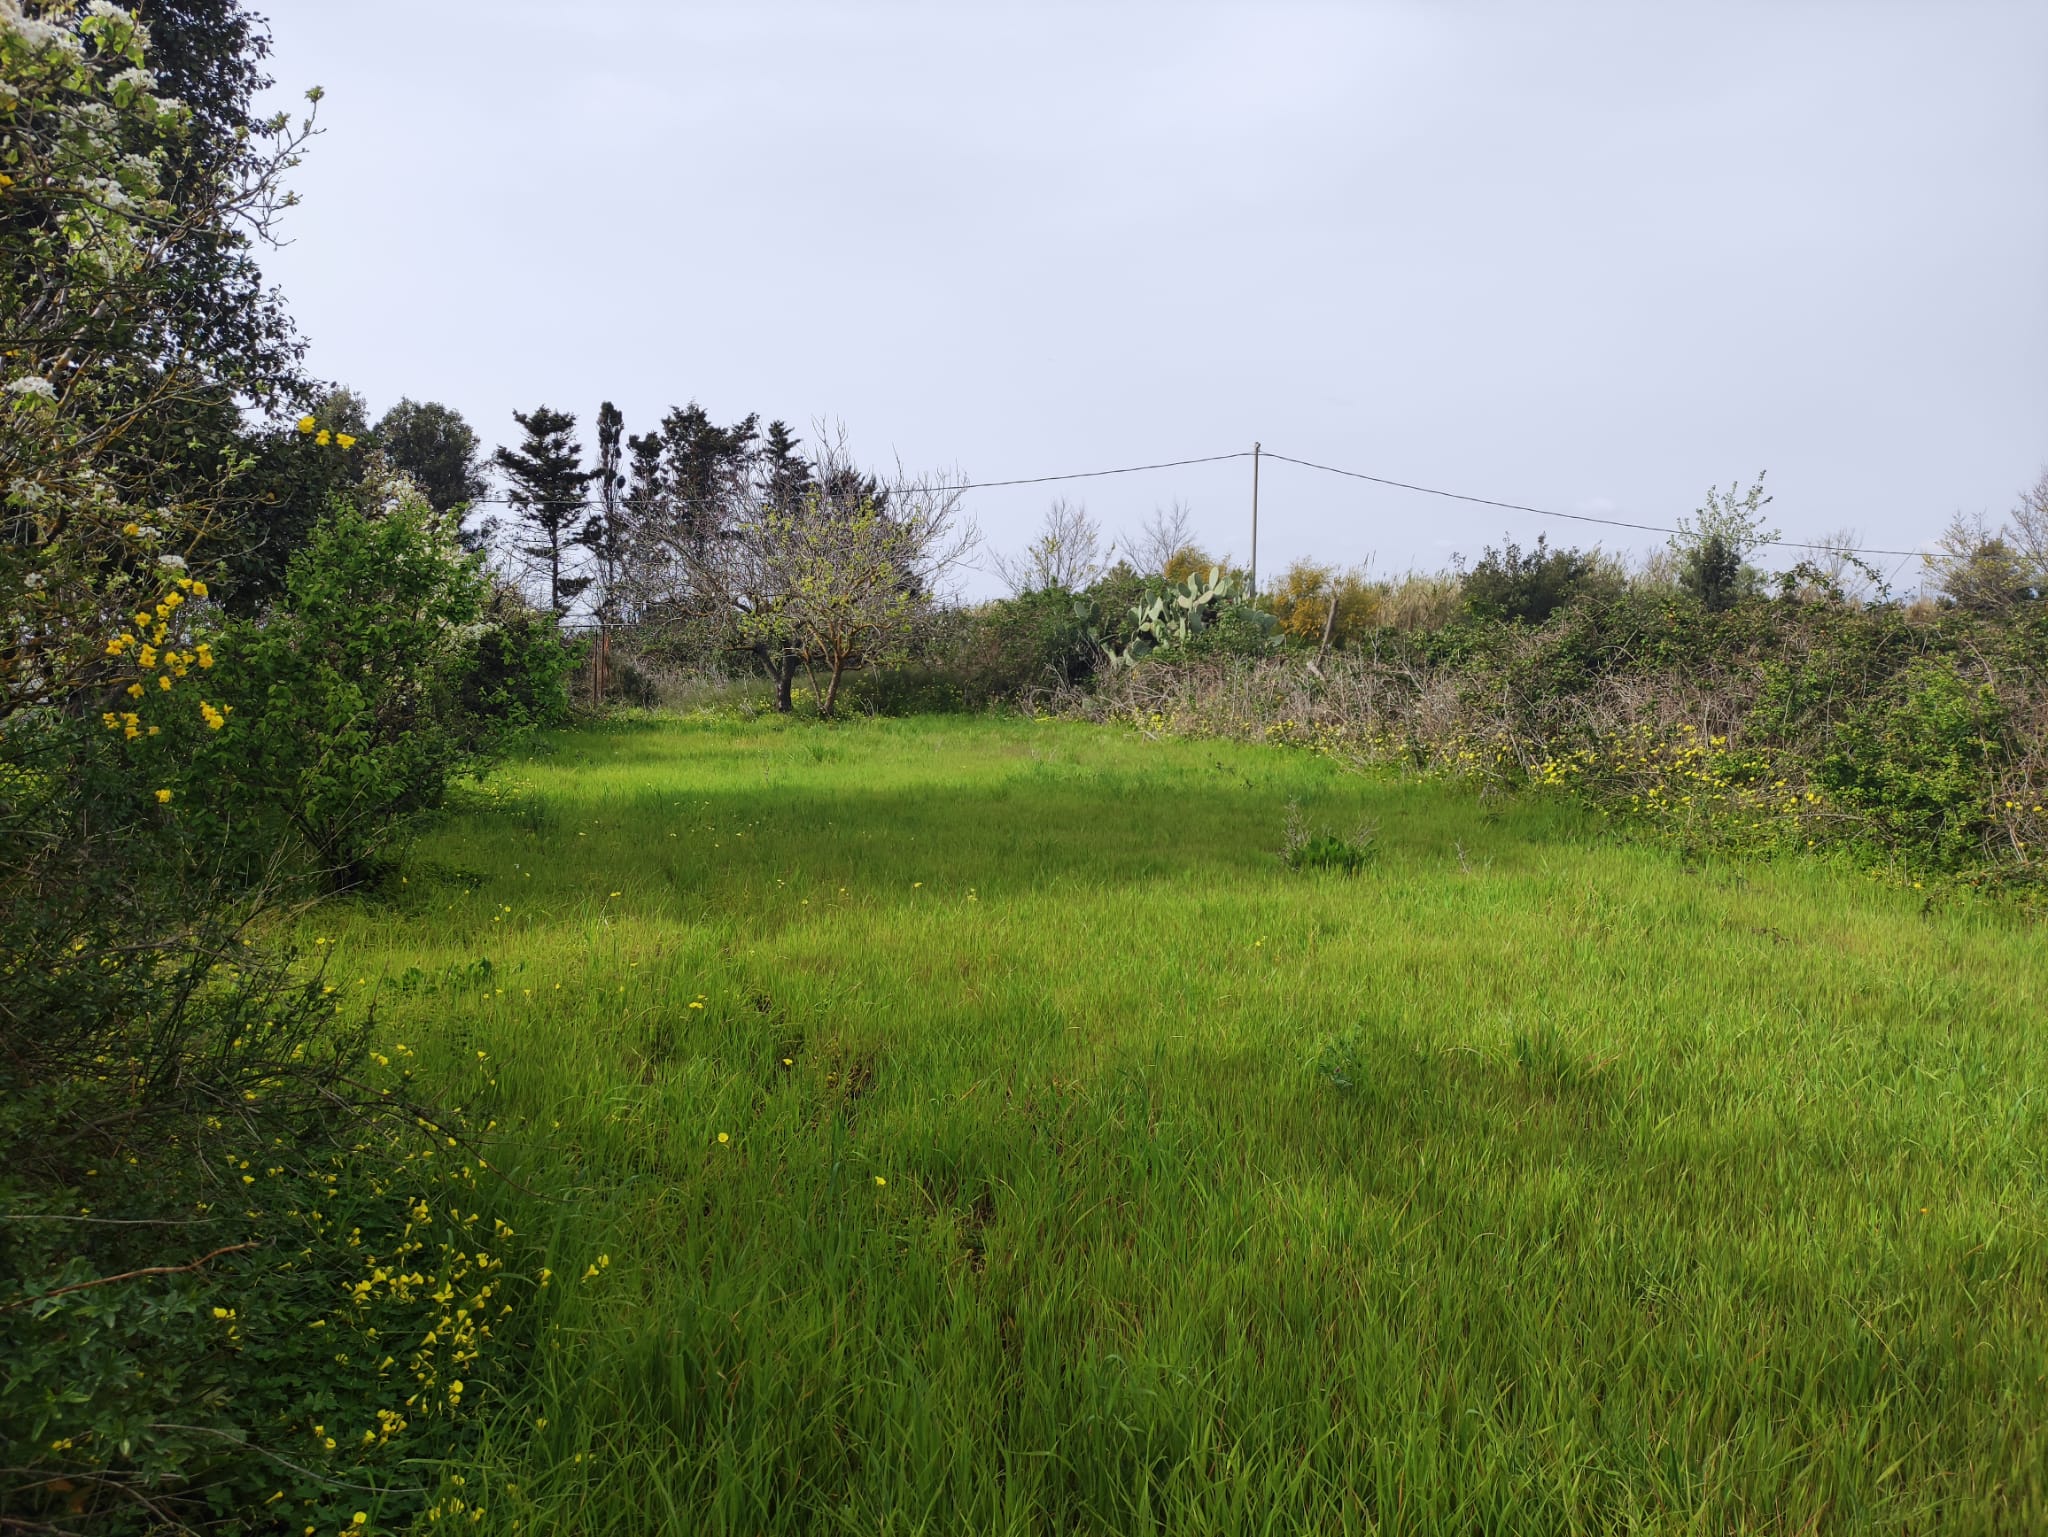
(37, 34)
(112, 194)
(40, 35)
(174, 562)
(33, 384)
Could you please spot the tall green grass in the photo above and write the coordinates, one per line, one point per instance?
(986, 1131)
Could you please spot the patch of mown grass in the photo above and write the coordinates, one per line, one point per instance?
(986, 1132)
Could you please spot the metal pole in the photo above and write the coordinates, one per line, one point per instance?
(1255, 520)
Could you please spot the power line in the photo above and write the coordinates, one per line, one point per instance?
(985, 485)
(1129, 469)
(1378, 480)
(1577, 517)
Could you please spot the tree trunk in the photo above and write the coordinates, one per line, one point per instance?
(785, 680)
(832, 688)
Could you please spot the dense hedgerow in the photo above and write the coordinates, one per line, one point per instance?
(1916, 738)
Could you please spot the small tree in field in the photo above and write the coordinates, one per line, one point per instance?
(548, 483)
(845, 576)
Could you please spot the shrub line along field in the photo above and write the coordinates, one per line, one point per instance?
(973, 1125)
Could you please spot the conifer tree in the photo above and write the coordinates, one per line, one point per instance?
(785, 474)
(547, 485)
(707, 469)
(607, 535)
(608, 532)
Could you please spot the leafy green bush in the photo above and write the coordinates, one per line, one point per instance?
(189, 1186)
(378, 678)
(1920, 763)
(1713, 546)
(512, 674)
(1033, 642)
(1235, 630)
(907, 690)
(267, 1325)
(1527, 587)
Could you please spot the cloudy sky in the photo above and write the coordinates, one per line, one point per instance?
(1590, 258)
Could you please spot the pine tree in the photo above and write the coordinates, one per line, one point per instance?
(707, 468)
(608, 533)
(607, 536)
(546, 494)
(644, 486)
(785, 475)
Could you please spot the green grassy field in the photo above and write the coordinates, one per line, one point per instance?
(987, 1133)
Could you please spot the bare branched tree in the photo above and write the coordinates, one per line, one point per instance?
(1835, 567)
(2030, 530)
(1832, 560)
(1067, 554)
(1170, 531)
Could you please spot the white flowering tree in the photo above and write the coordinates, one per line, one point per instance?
(88, 319)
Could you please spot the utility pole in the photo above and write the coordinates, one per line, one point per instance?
(1255, 521)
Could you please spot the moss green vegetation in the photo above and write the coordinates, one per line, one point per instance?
(974, 1125)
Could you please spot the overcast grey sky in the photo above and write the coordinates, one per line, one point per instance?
(1592, 258)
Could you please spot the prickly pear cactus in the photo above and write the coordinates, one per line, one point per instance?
(1183, 611)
